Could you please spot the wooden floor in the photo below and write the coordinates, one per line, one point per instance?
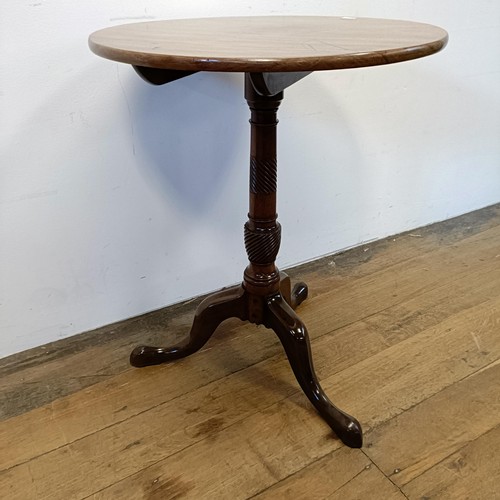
(405, 335)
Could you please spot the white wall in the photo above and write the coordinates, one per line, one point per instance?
(117, 198)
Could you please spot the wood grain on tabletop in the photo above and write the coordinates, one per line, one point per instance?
(268, 43)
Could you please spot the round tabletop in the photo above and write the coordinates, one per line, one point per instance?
(265, 44)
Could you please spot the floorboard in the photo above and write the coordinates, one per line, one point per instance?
(404, 334)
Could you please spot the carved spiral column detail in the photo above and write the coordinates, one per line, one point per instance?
(262, 244)
(263, 175)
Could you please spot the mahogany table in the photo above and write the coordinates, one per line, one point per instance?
(273, 52)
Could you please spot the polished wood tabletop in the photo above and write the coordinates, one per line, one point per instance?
(265, 44)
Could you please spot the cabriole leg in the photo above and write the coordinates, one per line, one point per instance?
(295, 296)
(210, 314)
(295, 339)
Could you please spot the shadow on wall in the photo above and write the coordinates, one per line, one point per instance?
(188, 135)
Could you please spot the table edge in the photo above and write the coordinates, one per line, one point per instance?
(289, 64)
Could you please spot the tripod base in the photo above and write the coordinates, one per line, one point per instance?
(277, 312)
